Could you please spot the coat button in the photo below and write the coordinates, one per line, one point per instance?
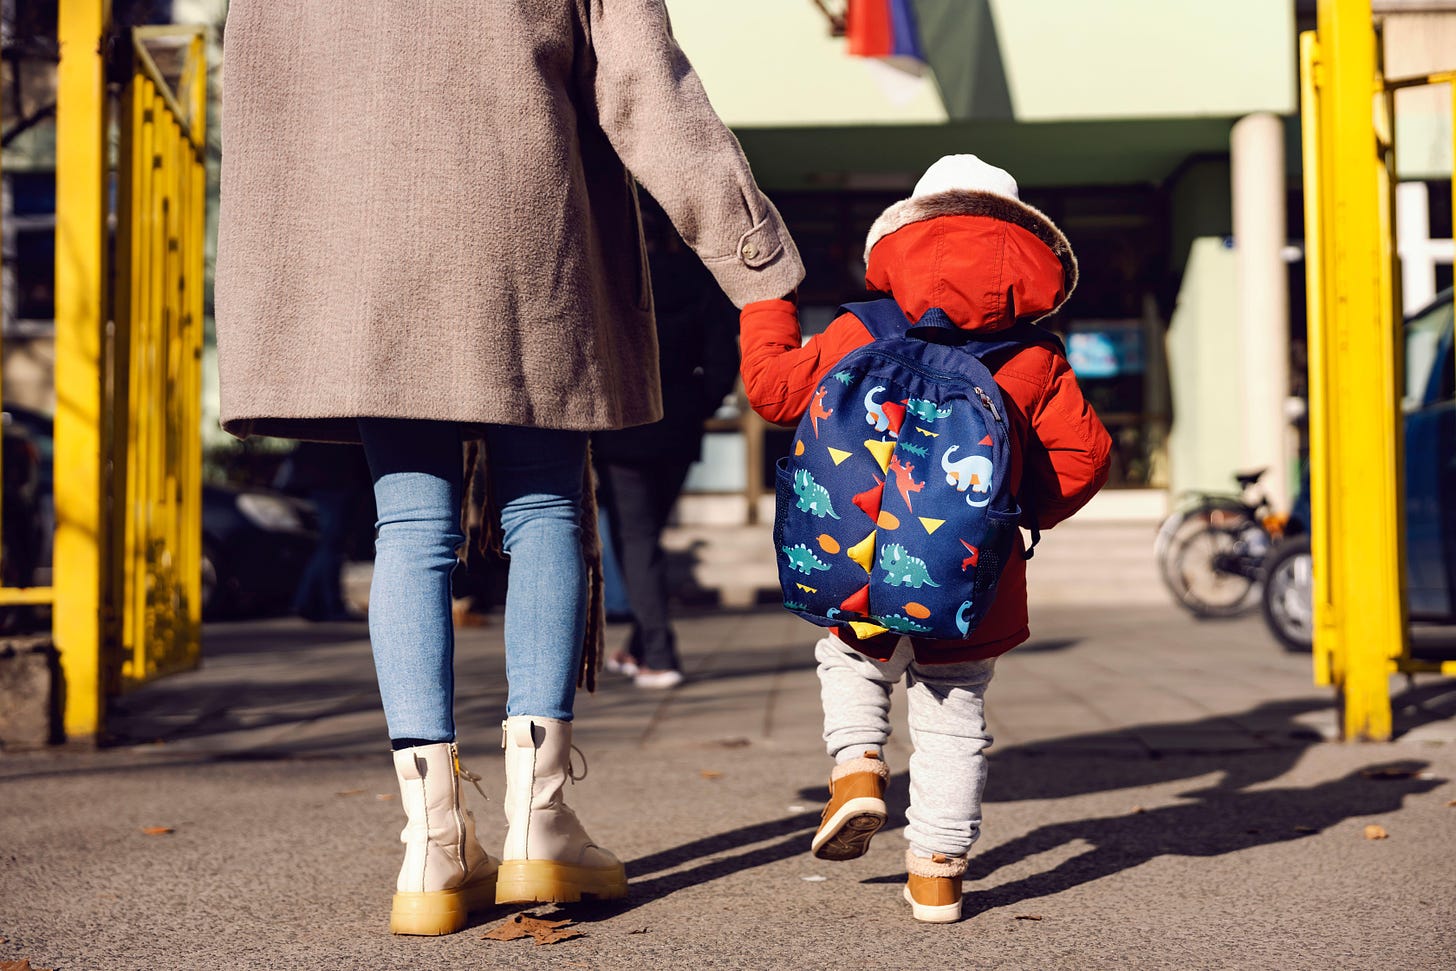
(749, 251)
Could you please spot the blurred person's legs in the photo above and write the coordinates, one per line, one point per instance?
(947, 709)
(416, 468)
(320, 594)
(639, 498)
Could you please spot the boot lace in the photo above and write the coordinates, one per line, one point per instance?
(571, 769)
(469, 777)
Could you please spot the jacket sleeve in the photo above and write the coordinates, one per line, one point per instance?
(781, 370)
(654, 111)
(1070, 452)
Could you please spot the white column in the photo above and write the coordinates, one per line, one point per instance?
(1257, 147)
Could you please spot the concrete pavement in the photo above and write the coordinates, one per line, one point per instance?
(1162, 795)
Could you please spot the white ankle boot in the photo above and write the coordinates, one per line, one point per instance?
(446, 874)
(548, 855)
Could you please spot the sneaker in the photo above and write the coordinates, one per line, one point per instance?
(658, 680)
(933, 887)
(621, 663)
(856, 808)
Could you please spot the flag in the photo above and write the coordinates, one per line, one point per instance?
(882, 28)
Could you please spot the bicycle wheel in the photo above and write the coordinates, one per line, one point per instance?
(1288, 600)
(1203, 563)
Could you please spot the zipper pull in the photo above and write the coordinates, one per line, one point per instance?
(986, 400)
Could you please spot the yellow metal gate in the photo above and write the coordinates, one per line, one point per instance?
(1355, 368)
(129, 325)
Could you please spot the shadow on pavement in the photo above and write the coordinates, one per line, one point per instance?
(1222, 818)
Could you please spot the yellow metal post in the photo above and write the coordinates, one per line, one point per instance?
(81, 302)
(1357, 515)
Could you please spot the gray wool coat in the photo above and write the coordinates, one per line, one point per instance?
(428, 211)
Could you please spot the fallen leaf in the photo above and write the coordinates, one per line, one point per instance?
(21, 965)
(710, 774)
(350, 792)
(1452, 803)
(1134, 811)
(734, 743)
(384, 796)
(1305, 829)
(529, 925)
(1374, 832)
(640, 930)
(158, 830)
(1028, 917)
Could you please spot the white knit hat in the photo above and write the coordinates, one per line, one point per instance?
(965, 172)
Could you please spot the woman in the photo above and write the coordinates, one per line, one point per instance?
(429, 232)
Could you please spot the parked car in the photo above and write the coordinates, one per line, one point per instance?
(1429, 405)
(255, 542)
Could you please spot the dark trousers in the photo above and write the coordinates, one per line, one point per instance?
(638, 497)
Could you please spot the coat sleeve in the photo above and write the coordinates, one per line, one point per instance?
(1070, 452)
(780, 370)
(654, 111)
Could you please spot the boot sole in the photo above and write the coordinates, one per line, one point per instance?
(550, 882)
(846, 835)
(933, 913)
(436, 912)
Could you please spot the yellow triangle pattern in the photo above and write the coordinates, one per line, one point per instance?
(931, 525)
(863, 552)
(882, 452)
(838, 455)
(862, 629)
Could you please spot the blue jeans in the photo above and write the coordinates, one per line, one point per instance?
(536, 477)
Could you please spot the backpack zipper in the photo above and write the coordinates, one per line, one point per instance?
(938, 375)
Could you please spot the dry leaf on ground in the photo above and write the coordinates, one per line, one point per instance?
(350, 792)
(640, 930)
(1136, 810)
(384, 796)
(22, 965)
(1452, 803)
(1374, 832)
(529, 925)
(1305, 829)
(710, 774)
(1028, 917)
(158, 830)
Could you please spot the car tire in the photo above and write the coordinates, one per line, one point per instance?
(1288, 600)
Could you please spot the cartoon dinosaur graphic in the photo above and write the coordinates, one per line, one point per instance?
(813, 497)
(927, 432)
(963, 622)
(844, 377)
(900, 624)
(817, 409)
(802, 559)
(926, 411)
(917, 450)
(902, 569)
(972, 472)
(795, 605)
(905, 480)
(973, 558)
(883, 415)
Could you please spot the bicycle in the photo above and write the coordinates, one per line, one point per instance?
(1211, 552)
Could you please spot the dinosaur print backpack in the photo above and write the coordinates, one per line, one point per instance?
(893, 509)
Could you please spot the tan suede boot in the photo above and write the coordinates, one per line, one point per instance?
(445, 874)
(856, 808)
(548, 855)
(933, 888)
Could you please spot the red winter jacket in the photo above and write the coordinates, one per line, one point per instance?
(985, 273)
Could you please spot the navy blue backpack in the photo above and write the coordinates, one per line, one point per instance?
(893, 511)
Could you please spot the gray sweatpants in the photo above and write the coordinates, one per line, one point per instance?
(947, 732)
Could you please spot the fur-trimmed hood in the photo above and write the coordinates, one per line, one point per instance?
(987, 260)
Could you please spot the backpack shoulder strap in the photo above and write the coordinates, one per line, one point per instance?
(882, 318)
(1016, 337)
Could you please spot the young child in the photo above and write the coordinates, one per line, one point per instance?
(963, 242)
